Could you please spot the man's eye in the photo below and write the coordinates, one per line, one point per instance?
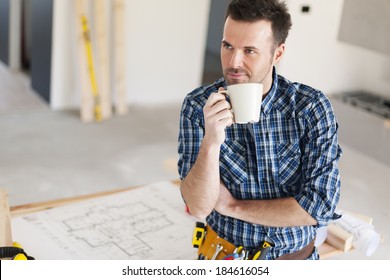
(226, 46)
(249, 51)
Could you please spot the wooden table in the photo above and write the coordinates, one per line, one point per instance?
(325, 250)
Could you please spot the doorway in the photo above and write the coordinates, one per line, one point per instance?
(212, 70)
(25, 34)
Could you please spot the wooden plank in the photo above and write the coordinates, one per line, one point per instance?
(101, 27)
(86, 100)
(24, 209)
(387, 123)
(5, 220)
(90, 99)
(326, 251)
(339, 238)
(86, 106)
(121, 106)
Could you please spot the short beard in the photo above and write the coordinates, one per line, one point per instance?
(235, 71)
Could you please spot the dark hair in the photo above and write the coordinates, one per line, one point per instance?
(274, 11)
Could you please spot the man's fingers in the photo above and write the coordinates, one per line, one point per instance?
(226, 122)
(217, 108)
(217, 116)
(215, 98)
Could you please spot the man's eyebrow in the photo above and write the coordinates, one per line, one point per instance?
(248, 47)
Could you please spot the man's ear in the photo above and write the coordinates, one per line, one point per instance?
(278, 53)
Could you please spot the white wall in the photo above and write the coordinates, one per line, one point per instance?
(315, 56)
(165, 43)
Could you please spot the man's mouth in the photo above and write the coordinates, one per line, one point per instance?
(236, 74)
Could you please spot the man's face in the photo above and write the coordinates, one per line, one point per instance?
(248, 53)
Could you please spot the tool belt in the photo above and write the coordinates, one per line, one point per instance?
(215, 247)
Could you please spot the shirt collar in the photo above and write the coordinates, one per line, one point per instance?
(266, 104)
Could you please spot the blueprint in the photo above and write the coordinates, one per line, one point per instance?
(144, 223)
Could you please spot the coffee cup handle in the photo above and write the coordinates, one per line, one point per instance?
(225, 92)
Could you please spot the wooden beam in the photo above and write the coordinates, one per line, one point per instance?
(101, 28)
(5, 220)
(387, 123)
(121, 106)
(86, 100)
(339, 238)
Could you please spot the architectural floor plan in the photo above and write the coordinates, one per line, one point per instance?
(145, 223)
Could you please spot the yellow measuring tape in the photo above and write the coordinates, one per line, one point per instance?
(91, 71)
(14, 252)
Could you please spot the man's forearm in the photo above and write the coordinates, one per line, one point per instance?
(281, 212)
(200, 188)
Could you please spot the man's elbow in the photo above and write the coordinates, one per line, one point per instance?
(199, 213)
(197, 206)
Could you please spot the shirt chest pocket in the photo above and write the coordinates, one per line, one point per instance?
(289, 162)
(233, 162)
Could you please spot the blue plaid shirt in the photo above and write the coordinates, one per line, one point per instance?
(291, 152)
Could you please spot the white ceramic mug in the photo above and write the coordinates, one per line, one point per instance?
(246, 101)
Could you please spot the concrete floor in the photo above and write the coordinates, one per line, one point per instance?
(49, 154)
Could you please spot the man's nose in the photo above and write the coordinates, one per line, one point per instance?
(236, 60)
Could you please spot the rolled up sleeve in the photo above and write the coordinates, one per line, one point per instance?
(321, 179)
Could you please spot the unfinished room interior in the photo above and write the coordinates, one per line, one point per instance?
(91, 93)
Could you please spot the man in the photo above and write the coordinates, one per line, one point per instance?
(276, 180)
